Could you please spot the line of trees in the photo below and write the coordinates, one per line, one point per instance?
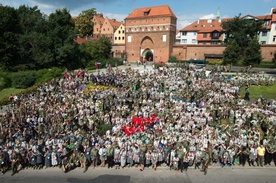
(31, 40)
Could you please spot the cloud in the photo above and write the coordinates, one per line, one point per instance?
(184, 20)
(210, 16)
(70, 4)
(182, 23)
(118, 17)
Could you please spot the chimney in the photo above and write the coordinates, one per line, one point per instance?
(114, 20)
(198, 21)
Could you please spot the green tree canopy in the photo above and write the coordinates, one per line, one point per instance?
(232, 53)
(253, 53)
(83, 22)
(9, 33)
(242, 30)
(64, 51)
(99, 49)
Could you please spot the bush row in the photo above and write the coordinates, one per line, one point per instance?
(25, 79)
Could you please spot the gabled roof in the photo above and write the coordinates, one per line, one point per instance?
(114, 23)
(99, 18)
(163, 10)
(203, 25)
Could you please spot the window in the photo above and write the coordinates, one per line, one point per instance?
(214, 42)
(215, 35)
(115, 38)
(274, 39)
(205, 35)
(119, 38)
(164, 38)
(193, 41)
(119, 32)
(103, 29)
(184, 33)
(203, 25)
(129, 39)
(266, 23)
(123, 38)
(264, 33)
(123, 31)
(203, 42)
(194, 33)
(184, 41)
(263, 42)
(146, 13)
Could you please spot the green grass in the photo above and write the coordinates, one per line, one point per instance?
(9, 91)
(268, 92)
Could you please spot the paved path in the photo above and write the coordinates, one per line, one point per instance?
(133, 175)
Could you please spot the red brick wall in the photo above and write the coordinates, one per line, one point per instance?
(186, 52)
(268, 52)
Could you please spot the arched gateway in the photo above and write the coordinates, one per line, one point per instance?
(158, 23)
(146, 51)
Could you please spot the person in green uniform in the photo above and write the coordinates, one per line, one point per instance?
(206, 159)
(14, 162)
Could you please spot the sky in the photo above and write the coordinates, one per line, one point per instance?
(187, 11)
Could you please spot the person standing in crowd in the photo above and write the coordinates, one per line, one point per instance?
(109, 155)
(123, 157)
(142, 160)
(260, 155)
(206, 159)
(130, 157)
(94, 156)
(185, 162)
(102, 153)
(154, 158)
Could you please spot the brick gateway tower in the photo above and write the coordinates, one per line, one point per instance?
(150, 33)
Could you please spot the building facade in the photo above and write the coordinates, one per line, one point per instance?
(209, 31)
(150, 34)
(104, 27)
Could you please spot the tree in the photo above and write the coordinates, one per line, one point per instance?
(232, 53)
(99, 49)
(242, 30)
(34, 41)
(274, 58)
(64, 50)
(245, 32)
(253, 53)
(9, 32)
(83, 22)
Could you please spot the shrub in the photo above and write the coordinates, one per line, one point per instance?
(5, 80)
(44, 75)
(23, 79)
(173, 59)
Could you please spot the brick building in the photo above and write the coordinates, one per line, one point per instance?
(150, 33)
(104, 26)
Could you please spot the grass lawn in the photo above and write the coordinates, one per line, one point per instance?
(9, 91)
(268, 92)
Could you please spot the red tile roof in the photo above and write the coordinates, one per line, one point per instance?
(80, 40)
(204, 25)
(163, 10)
(100, 18)
(114, 23)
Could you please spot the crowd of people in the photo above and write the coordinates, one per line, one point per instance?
(178, 117)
